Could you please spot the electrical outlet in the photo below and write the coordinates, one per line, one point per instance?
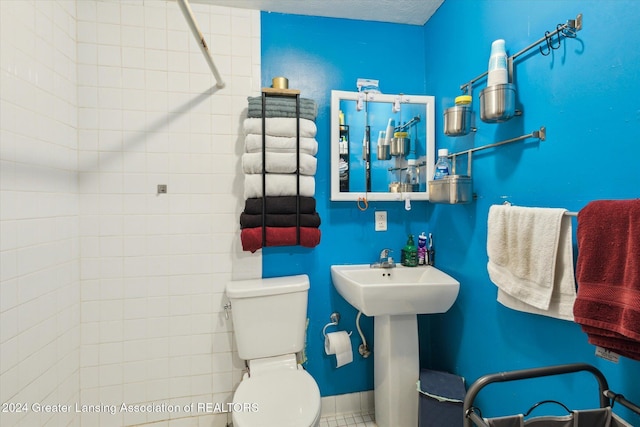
(162, 188)
(381, 221)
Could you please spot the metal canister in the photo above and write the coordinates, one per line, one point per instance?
(497, 103)
(400, 144)
(457, 120)
(280, 83)
(383, 147)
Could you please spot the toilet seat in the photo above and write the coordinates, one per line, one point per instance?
(278, 399)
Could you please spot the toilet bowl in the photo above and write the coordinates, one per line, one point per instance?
(281, 397)
(269, 317)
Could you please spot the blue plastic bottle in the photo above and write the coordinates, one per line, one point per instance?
(443, 165)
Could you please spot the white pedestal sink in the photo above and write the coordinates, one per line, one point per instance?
(394, 296)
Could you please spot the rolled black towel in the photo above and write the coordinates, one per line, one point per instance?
(279, 220)
(280, 205)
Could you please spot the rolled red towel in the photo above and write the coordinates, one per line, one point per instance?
(279, 236)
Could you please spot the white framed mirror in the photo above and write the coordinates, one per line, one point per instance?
(374, 138)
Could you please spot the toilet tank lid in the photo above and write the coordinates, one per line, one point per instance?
(268, 286)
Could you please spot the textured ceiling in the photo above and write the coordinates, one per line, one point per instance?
(414, 12)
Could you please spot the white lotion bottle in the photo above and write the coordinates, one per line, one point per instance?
(498, 73)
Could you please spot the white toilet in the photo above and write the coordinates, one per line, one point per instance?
(269, 320)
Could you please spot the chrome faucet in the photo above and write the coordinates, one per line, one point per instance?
(385, 260)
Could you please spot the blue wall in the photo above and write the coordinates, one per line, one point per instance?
(585, 93)
(581, 94)
(331, 55)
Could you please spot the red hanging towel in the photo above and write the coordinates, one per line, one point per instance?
(608, 275)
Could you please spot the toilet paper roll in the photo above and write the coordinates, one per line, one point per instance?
(339, 343)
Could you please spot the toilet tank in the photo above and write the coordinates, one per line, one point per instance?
(269, 315)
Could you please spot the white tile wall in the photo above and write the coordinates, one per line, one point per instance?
(39, 264)
(154, 266)
(110, 293)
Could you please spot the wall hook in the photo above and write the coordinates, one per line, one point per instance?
(362, 203)
(559, 30)
(546, 39)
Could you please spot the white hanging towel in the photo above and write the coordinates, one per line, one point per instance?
(278, 185)
(280, 144)
(531, 259)
(280, 126)
(279, 163)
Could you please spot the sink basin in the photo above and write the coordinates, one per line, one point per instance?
(395, 296)
(395, 291)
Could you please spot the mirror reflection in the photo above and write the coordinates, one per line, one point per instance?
(381, 144)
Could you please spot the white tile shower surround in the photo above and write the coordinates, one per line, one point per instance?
(109, 292)
(39, 198)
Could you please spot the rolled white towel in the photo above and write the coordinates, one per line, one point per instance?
(278, 185)
(279, 163)
(279, 144)
(280, 126)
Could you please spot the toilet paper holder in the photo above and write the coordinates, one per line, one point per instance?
(335, 319)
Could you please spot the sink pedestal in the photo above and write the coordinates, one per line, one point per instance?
(396, 370)
(394, 297)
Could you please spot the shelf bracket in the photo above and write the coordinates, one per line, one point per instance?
(568, 30)
(540, 134)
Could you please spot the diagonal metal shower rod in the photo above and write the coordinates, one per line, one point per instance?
(202, 44)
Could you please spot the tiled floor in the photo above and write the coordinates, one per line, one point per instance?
(350, 420)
